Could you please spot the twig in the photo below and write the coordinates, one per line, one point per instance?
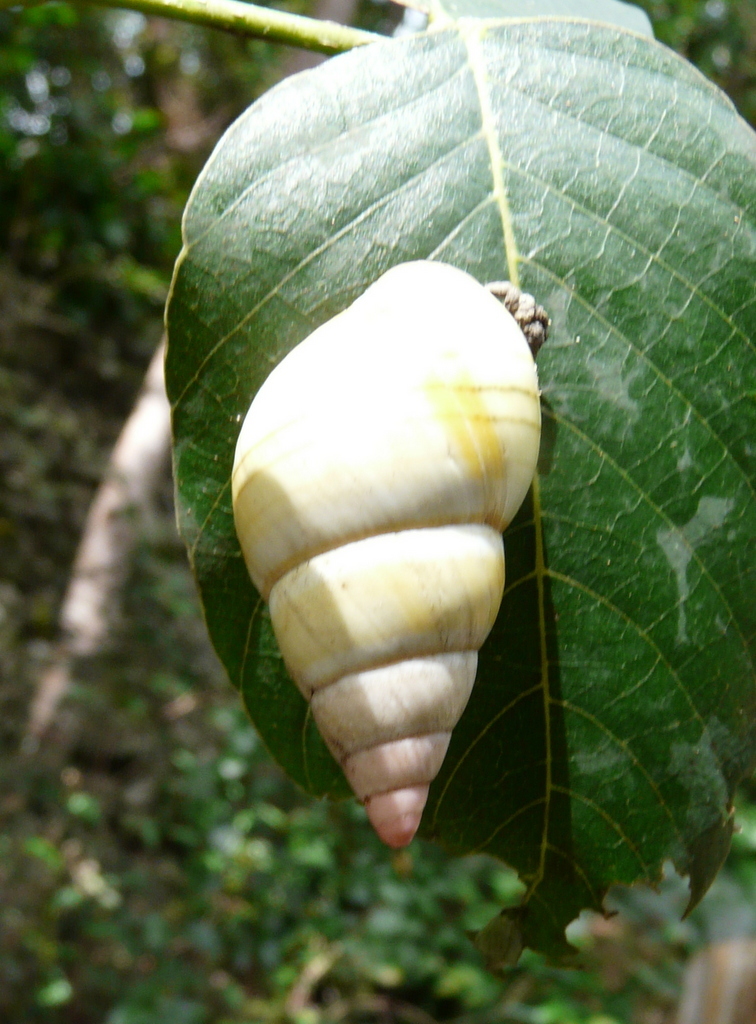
(314, 971)
(248, 20)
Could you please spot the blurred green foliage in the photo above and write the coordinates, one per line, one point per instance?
(155, 866)
(718, 36)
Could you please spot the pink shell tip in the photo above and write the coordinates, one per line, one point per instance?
(395, 816)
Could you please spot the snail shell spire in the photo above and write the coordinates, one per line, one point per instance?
(374, 473)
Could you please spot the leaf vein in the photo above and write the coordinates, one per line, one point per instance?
(313, 255)
(613, 329)
(477, 739)
(572, 795)
(589, 717)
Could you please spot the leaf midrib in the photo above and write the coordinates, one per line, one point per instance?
(471, 34)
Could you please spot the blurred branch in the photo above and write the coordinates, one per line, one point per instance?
(249, 20)
(109, 536)
(719, 986)
(300, 994)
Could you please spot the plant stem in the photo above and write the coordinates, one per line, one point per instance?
(250, 20)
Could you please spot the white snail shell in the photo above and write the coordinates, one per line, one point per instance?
(374, 473)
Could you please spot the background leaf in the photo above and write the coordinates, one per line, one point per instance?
(608, 12)
(614, 708)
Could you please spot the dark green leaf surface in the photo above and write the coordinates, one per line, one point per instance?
(614, 707)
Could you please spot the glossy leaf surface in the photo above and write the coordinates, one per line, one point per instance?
(614, 707)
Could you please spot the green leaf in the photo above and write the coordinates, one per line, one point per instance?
(500, 941)
(607, 12)
(614, 708)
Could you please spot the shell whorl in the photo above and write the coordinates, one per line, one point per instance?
(374, 473)
(381, 635)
